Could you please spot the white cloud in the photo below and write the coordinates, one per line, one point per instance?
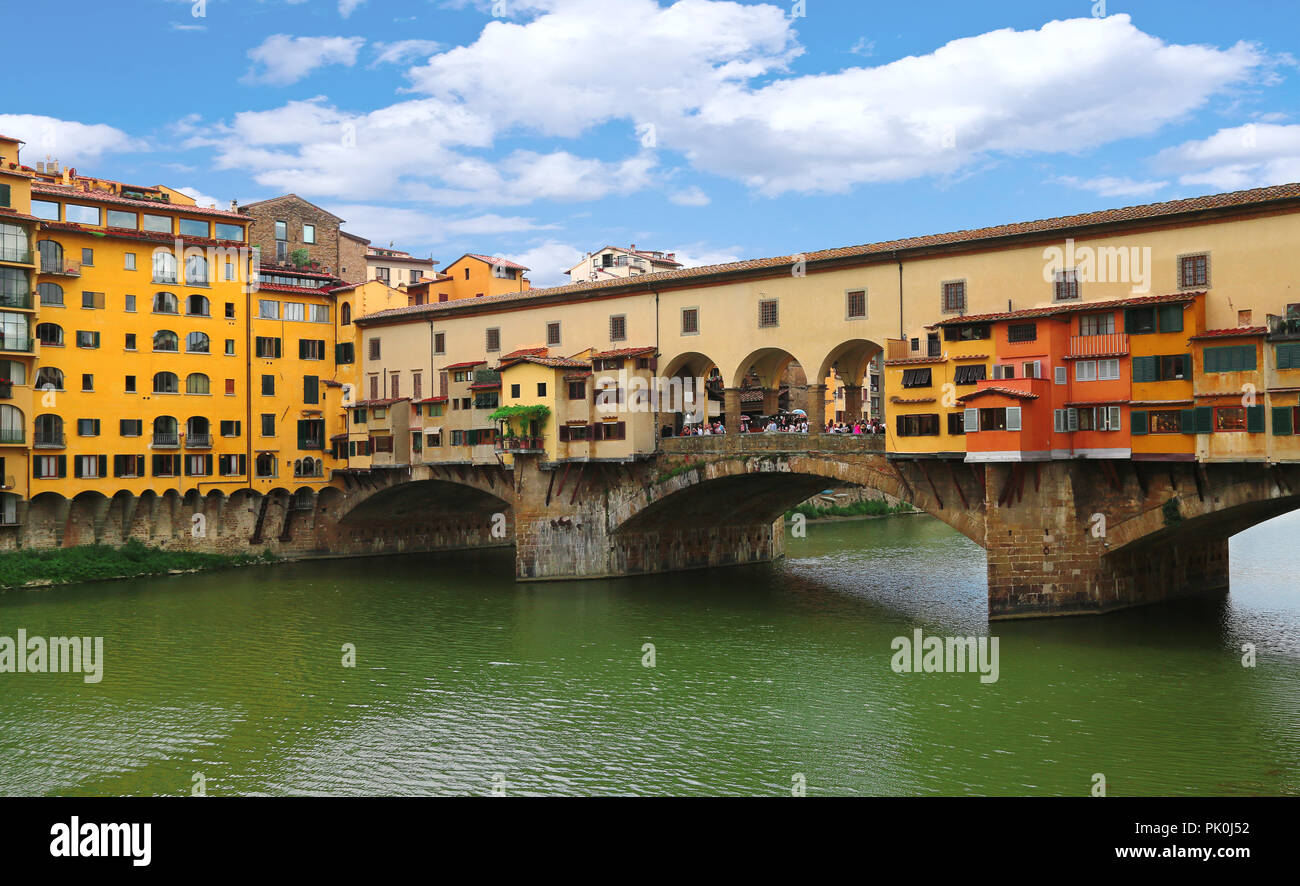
(548, 261)
(66, 140)
(282, 59)
(347, 7)
(691, 196)
(699, 255)
(864, 47)
(416, 229)
(203, 199)
(1113, 186)
(1250, 156)
(401, 51)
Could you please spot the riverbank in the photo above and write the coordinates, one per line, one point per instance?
(60, 566)
(857, 509)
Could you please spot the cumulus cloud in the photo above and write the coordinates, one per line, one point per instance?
(281, 59)
(347, 7)
(548, 261)
(203, 199)
(1249, 156)
(66, 140)
(692, 196)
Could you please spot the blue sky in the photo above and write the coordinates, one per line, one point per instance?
(539, 129)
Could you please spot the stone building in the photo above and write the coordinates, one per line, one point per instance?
(282, 226)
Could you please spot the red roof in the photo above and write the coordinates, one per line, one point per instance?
(492, 260)
(914, 360)
(388, 402)
(526, 352)
(1237, 332)
(467, 365)
(302, 290)
(553, 362)
(132, 234)
(432, 400)
(1071, 308)
(1010, 392)
(68, 192)
(10, 138)
(622, 353)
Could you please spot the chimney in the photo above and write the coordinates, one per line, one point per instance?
(234, 205)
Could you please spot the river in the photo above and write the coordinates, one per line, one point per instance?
(764, 679)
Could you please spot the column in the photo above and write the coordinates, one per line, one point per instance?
(771, 401)
(816, 409)
(852, 403)
(731, 409)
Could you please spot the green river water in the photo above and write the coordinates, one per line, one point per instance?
(468, 683)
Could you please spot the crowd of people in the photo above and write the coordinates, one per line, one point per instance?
(862, 426)
(785, 423)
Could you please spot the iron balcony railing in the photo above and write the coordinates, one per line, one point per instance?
(520, 444)
(1108, 344)
(65, 268)
(166, 439)
(48, 440)
(198, 441)
(311, 443)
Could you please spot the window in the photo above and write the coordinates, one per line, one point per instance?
(268, 424)
(374, 349)
(130, 427)
(1085, 370)
(768, 313)
(514, 392)
(1097, 324)
(165, 340)
(82, 215)
(309, 233)
(855, 304)
(1231, 358)
(87, 427)
(690, 321)
(230, 428)
(1229, 418)
(1086, 419)
(493, 339)
(417, 386)
(50, 293)
(1022, 332)
(440, 342)
(87, 338)
(193, 227)
(318, 313)
(311, 389)
(281, 230)
(128, 261)
(197, 306)
(230, 387)
(577, 390)
(197, 383)
(917, 425)
(268, 309)
(1194, 271)
(916, 378)
(267, 348)
(49, 467)
(87, 381)
(618, 327)
(954, 297)
(1163, 421)
(1107, 370)
(1061, 375)
(230, 310)
(382, 275)
(166, 383)
(165, 303)
(311, 349)
(345, 314)
(45, 209)
(230, 232)
(230, 347)
(344, 353)
(268, 385)
(129, 303)
(128, 466)
(94, 300)
(197, 343)
(49, 334)
(1108, 418)
(1066, 285)
(1170, 367)
(541, 389)
(295, 311)
(1140, 321)
(164, 267)
(129, 384)
(159, 224)
(968, 375)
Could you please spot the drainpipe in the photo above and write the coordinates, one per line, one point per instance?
(900, 294)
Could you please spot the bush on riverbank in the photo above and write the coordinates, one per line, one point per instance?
(867, 508)
(92, 562)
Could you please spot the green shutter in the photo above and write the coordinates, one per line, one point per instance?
(103, 466)
(4, 195)
(1139, 423)
(1288, 355)
(1255, 419)
(1204, 419)
(62, 466)
(1187, 421)
(1282, 421)
(1144, 369)
(1170, 318)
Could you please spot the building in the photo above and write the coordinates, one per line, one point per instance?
(294, 233)
(615, 261)
(18, 315)
(396, 268)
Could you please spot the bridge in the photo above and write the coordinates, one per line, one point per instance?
(1062, 538)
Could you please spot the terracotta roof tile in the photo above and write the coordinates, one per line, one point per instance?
(1236, 332)
(72, 193)
(470, 364)
(1010, 392)
(622, 352)
(1071, 308)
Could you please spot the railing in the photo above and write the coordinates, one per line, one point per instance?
(164, 278)
(520, 444)
(198, 441)
(896, 349)
(10, 481)
(487, 377)
(1108, 344)
(16, 300)
(12, 436)
(311, 444)
(65, 268)
(774, 442)
(18, 256)
(9, 343)
(48, 440)
(6, 390)
(166, 439)
(1283, 327)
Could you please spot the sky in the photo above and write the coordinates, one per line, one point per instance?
(540, 130)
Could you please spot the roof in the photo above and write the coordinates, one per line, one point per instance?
(552, 362)
(1160, 402)
(522, 352)
(357, 237)
(432, 400)
(300, 200)
(493, 260)
(623, 353)
(470, 364)
(304, 290)
(995, 389)
(1237, 332)
(69, 192)
(387, 402)
(10, 138)
(1072, 308)
(132, 234)
(911, 399)
(648, 256)
(914, 361)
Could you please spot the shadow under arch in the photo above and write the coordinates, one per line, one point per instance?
(422, 499)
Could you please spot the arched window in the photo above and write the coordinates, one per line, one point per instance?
(196, 269)
(164, 266)
(196, 383)
(164, 430)
(12, 424)
(51, 256)
(49, 379)
(166, 383)
(164, 303)
(50, 293)
(265, 465)
(49, 430)
(196, 343)
(165, 340)
(197, 306)
(197, 426)
(345, 314)
(49, 334)
(297, 467)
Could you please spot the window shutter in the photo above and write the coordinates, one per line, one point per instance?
(564, 433)
(1072, 419)
(1171, 318)
(76, 467)
(1187, 421)
(1140, 420)
(1144, 369)
(1013, 418)
(1255, 419)
(1281, 420)
(4, 195)
(103, 466)
(970, 420)
(62, 466)
(310, 389)
(1204, 419)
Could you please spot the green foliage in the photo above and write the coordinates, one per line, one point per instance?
(300, 257)
(676, 472)
(93, 562)
(1172, 513)
(536, 412)
(868, 508)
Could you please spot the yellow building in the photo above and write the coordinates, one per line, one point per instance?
(17, 323)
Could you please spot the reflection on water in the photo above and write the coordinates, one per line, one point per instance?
(761, 673)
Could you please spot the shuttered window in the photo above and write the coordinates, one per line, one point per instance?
(1232, 358)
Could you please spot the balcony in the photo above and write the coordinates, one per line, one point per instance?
(195, 441)
(12, 343)
(12, 437)
(1110, 344)
(166, 440)
(66, 268)
(1283, 327)
(22, 300)
(16, 256)
(6, 390)
(520, 444)
(48, 440)
(311, 443)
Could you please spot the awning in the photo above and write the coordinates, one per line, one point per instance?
(437, 430)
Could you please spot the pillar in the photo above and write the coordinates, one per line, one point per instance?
(852, 402)
(771, 401)
(731, 409)
(816, 409)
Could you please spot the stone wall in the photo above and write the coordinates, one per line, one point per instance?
(296, 212)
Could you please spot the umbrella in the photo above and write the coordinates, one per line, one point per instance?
(797, 412)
